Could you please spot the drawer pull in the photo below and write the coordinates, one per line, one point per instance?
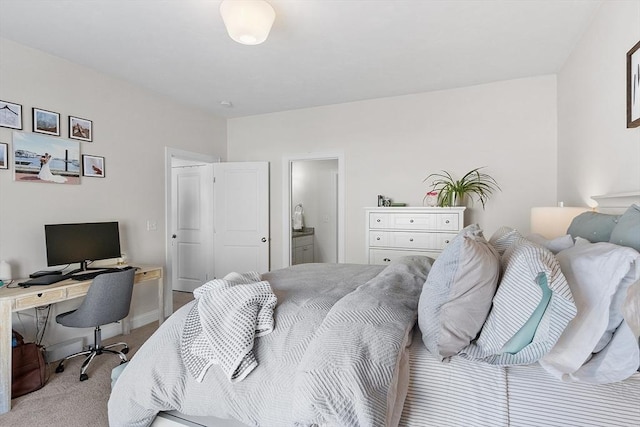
(446, 241)
(411, 240)
(411, 221)
(446, 222)
(377, 238)
(378, 220)
(39, 295)
(386, 260)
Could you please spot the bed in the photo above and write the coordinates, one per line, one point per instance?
(416, 343)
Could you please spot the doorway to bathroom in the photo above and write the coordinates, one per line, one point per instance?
(314, 209)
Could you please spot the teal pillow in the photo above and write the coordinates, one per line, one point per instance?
(593, 226)
(627, 231)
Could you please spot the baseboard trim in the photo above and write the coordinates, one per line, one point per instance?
(113, 329)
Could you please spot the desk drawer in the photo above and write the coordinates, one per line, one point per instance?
(43, 298)
(78, 291)
(148, 275)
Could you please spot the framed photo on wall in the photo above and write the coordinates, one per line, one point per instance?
(46, 122)
(92, 166)
(633, 87)
(45, 159)
(10, 115)
(4, 155)
(81, 129)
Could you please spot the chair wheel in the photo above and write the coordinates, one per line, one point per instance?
(125, 350)
(59, 369)
(84, 377)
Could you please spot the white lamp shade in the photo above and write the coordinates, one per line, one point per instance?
(247, 21)
(552, 222)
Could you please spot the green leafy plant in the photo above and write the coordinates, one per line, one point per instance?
(452, 192)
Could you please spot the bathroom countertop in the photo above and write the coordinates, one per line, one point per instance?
(306, 231)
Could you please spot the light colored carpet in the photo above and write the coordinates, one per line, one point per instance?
(66, 402)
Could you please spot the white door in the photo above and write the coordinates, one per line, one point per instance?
(192, 226)
(241, 206)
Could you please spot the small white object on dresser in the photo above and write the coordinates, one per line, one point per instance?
(395, 232)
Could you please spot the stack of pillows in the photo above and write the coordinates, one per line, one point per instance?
(514, 300)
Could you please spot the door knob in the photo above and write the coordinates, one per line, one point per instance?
(173, 236)
(264, 239)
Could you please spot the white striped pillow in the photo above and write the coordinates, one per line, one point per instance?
(503, 238)
(518, 295)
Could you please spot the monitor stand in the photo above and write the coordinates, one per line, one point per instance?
(84, 267)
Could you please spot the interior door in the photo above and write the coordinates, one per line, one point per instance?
(192, 238)
(241, 223)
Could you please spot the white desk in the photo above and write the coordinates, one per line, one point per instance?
(16, 299)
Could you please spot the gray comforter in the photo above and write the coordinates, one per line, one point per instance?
(332, 359)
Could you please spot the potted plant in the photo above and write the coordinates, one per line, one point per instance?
(452, 192)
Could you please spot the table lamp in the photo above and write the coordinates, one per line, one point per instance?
(553, 221)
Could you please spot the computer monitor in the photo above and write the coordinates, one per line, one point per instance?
(83, 243)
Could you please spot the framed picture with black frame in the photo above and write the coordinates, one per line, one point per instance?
(4, 155)
(633, 87)
(10, 115)
(81, 129)
(92, 166)
(46, 122)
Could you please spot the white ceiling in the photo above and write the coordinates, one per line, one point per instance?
(319, 52)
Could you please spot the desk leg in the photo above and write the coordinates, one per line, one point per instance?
(160, 301)
(5, 356)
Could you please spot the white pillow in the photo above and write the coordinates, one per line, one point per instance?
(554, 245)
(457, 295)
(595, 272)
(504, 237)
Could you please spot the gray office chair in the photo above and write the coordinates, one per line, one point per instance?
(107, 301)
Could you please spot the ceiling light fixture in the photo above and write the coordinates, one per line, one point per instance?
(247, 21)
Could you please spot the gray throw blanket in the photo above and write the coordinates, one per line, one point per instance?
(333, 358)
(221, 327)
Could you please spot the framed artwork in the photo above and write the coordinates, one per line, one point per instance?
(46, 122)
(4, 155)
(81, 129)
(633, 87)
(10, 115)
(92, 166)
(45, 159)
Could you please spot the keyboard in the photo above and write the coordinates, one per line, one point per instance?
(91, 274)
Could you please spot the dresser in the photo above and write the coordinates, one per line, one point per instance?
(395, 232)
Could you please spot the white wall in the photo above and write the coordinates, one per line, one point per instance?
(392, 144)
(131, 127)
(597, 154)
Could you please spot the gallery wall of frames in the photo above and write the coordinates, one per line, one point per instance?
(43, 155)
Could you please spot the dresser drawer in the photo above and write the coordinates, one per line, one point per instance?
(415, 221)
(385, 256)
(410, 240)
